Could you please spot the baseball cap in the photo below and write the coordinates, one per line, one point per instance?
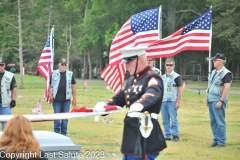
(2, 60)
(63, 61)
(219, 56)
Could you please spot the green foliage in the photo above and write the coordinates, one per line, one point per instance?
(226, 24)
(94, 26)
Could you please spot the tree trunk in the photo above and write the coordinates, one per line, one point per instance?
(68, 42)
(84, 67)
(89, 65)
(20, 46)
(2, 51)
(171, 17)
(49, 19)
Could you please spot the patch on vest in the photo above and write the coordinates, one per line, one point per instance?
(7, 79)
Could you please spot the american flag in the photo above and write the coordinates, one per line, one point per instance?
(194, 36)
(45, 64)
(114, 76)
(38, 109)
(140, 29)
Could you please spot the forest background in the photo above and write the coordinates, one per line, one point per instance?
(84, 30)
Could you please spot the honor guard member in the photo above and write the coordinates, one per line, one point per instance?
(60, 93)
(171, 101)
(217, 97)
(143, 92)
(8, 91)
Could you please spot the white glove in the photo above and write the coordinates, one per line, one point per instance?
(99, 107)
(135, 107)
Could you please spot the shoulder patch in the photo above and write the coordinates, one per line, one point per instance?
(152, 81)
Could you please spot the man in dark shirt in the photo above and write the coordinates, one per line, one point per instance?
(8, 91)
(62, 89)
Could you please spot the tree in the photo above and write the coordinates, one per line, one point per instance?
(20, 39)
(84, 29)
(227, 32)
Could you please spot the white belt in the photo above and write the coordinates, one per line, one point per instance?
(137, 114)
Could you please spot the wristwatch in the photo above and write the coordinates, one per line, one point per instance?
(221, 100)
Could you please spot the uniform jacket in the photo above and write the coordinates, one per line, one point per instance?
(146, 88)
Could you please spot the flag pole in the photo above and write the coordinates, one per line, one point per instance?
(160, 36)
(209, 58)
(52, 55)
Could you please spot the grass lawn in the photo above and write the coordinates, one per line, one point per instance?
(194, 125)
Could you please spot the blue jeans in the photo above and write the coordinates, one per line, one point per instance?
(5, 111)
(217, 120)
(149, 157)
(61, 126)
(169, 113)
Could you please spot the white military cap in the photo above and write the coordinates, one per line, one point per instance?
(131, 53)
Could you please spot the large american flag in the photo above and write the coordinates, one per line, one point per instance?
(45, 64)
(140, 29)
(194, 36)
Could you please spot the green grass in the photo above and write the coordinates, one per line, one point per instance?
(203, 85)
(194, 125)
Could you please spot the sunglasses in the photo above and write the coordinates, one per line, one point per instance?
(63, 64)
(129, 59)
(2, 64)
(169, 65)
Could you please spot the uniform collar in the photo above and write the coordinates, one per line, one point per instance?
(141, 73)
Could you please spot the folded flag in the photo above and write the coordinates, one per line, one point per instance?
(105, 109)
(82, 109)
(109, 108)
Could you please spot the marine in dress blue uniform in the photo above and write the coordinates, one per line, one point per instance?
(142, 92)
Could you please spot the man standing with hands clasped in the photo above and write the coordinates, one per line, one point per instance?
(217, 96)
(171, 101)
(8, 91)
(62, 89)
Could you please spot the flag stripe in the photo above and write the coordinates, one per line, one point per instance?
(114, 76)
(128, 39)
(194, 36)
(45, 62)
(140, 29)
